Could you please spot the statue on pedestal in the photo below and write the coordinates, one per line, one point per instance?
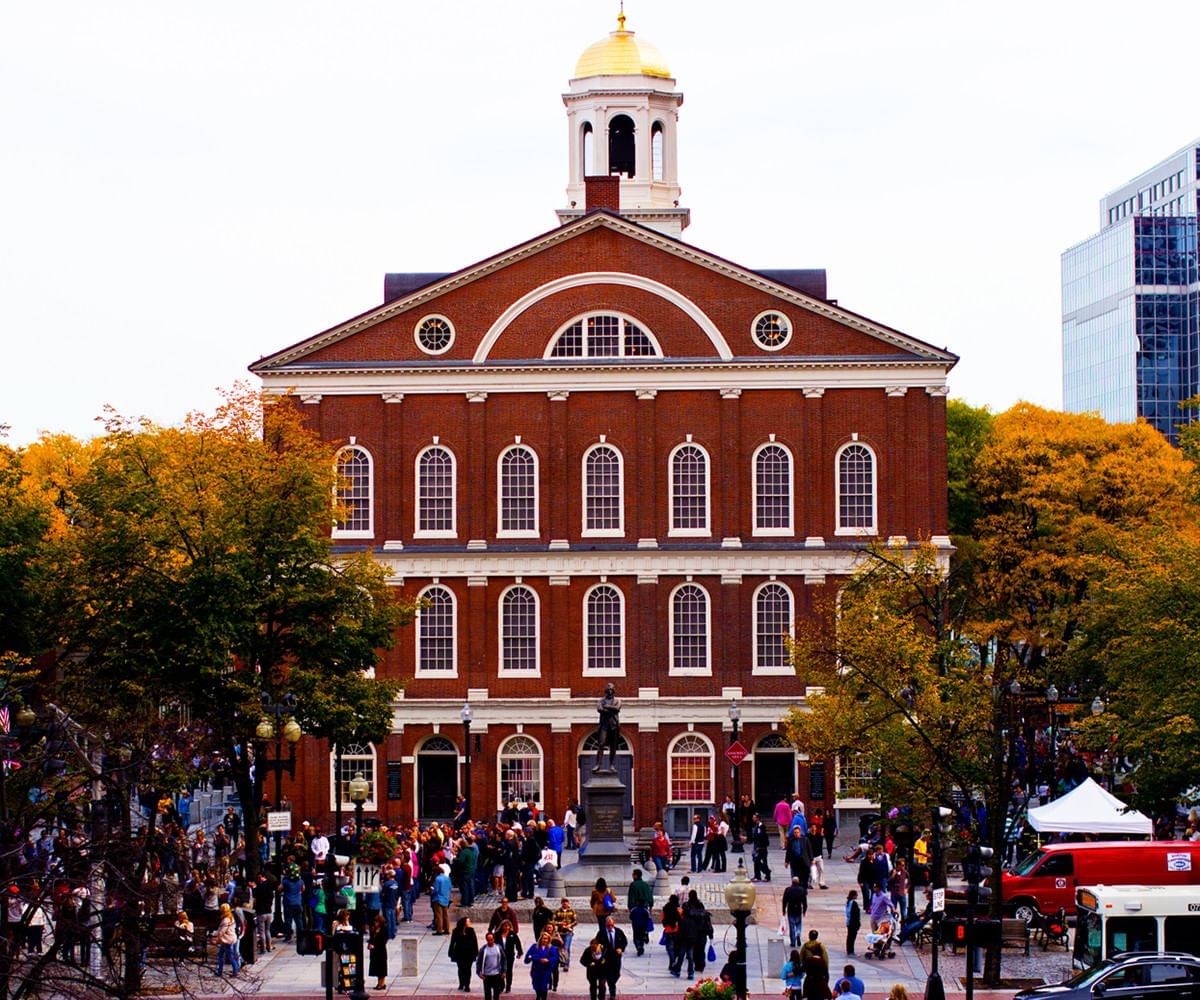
(609, 732)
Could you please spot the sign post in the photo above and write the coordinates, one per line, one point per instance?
(279, 821)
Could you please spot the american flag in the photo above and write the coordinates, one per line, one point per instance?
(4, 723)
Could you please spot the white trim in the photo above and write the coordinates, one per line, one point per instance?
(791, 328)
(686, 305)
(583, 317)
(619, 531)
(418, 532)
(371, 804)
(537, 634)
(712, 769)
(541, 766)
(689, 671)
(453, 671)
(672, 531)
(837, 494)
(790, 530)
(417, 334)
(596, 671)
(537, 495)
(787, 671)
(357, 532)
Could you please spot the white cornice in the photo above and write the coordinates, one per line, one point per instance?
(570, 230)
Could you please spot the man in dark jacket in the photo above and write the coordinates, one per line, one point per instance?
(794, 904)
(762, 849)
(615, 943)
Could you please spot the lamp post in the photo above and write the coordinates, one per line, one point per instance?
(279, 731)
(1052, 704)
(739, 897)
(735, 716)
(359, 790)
(1098, 709)
(467, 715)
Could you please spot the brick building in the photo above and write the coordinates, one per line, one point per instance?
(606, 455)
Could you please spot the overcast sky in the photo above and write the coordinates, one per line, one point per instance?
(189, 186)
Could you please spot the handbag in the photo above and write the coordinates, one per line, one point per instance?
(712, 953)
(663, 939)
(783, 925)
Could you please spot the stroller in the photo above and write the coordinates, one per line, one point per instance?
(880, 940)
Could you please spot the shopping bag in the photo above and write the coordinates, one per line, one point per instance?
(663, 939)
(783, 925)
(712, 953)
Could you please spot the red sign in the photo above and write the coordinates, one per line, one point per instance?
(736, 753)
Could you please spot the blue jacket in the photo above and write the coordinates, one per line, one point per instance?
(798, 820)
(293, 891)
(440, 892)
(555, 837)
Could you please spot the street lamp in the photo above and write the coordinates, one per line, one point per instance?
(739, 897)
(358, 791)
(1097, 706)
(467, 715)
(277, 730)
(1052, 702)
(735, 716)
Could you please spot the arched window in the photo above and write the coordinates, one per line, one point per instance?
(773, 618)
(855, 490)
(691, 769)
(518, 492)
(435, 493)
(690, 630)
(603, 482)
(656, 150)
(689, 490)
(355, 510)
(519, 630)
(622, 158)
(604, 630)
(587, 149)
(602, 335)
(772, 490)
(437, 651)
(520, 770)
(356, 757)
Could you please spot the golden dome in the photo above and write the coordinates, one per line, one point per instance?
(621, 54)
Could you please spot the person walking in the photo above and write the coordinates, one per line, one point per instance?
(377, 944)
(815, 960)
(695, 931)
(782, 815)
(670, 929)
(792, 975)
(794, 904)
(227, 939)
(489, 967)
(510, 941)
(831, 832)
(615, 944)
(542, 959)
(601, 901)
(463, 950)
(761, 841)
(595, 961)
(565, 919)
(853, 920)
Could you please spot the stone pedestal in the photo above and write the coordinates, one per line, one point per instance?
(606, 854)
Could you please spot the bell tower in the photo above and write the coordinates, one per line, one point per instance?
(622, 118)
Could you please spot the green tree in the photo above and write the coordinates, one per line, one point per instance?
(968, 430)
(24, 521)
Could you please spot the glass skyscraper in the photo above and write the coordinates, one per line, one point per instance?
(1131, 301)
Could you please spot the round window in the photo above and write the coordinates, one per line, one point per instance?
(772, 330)
(435, 334)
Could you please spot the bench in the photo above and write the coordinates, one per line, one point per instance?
(1014, 932)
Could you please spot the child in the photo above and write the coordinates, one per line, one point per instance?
(853, 920)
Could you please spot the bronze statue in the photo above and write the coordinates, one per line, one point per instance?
(609, 732)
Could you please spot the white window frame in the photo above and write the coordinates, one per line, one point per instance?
(619, 531)
(535, 532)
(786, 340)
(537, 638)
(788, 670)
(790, 528)
(673, 531)
(337, 459)
(712, 770)
(541, 769)
(417, 334)
(418, 532)
(588, 669)
(547, 355)
(372, 776)
(690, 671)
(453, 671)
(873, 529)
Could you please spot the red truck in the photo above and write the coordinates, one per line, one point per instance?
(1046, 880)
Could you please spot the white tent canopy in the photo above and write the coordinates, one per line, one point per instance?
(1088, 808)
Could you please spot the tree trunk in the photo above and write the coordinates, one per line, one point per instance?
(250, 792)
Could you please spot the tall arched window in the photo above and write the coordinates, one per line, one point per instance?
(603, 481)
(354, 487)
(437, 651)
(690, 630)
(773, 618)
(356, 757)
(689, 490)
(691, 769)
(856, 503)
(435, 493)
(587, 150)
(604, 630)
(772, 490)
(622, 158)
(656, 150)
(518, 492)
(519, 630)
(520, 770)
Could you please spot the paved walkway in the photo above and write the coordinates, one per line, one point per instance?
(282, 973)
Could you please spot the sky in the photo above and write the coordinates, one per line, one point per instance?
(187, 187)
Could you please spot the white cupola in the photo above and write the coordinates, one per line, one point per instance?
(622, 117)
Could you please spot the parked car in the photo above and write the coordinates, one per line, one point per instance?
(1147, 976)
